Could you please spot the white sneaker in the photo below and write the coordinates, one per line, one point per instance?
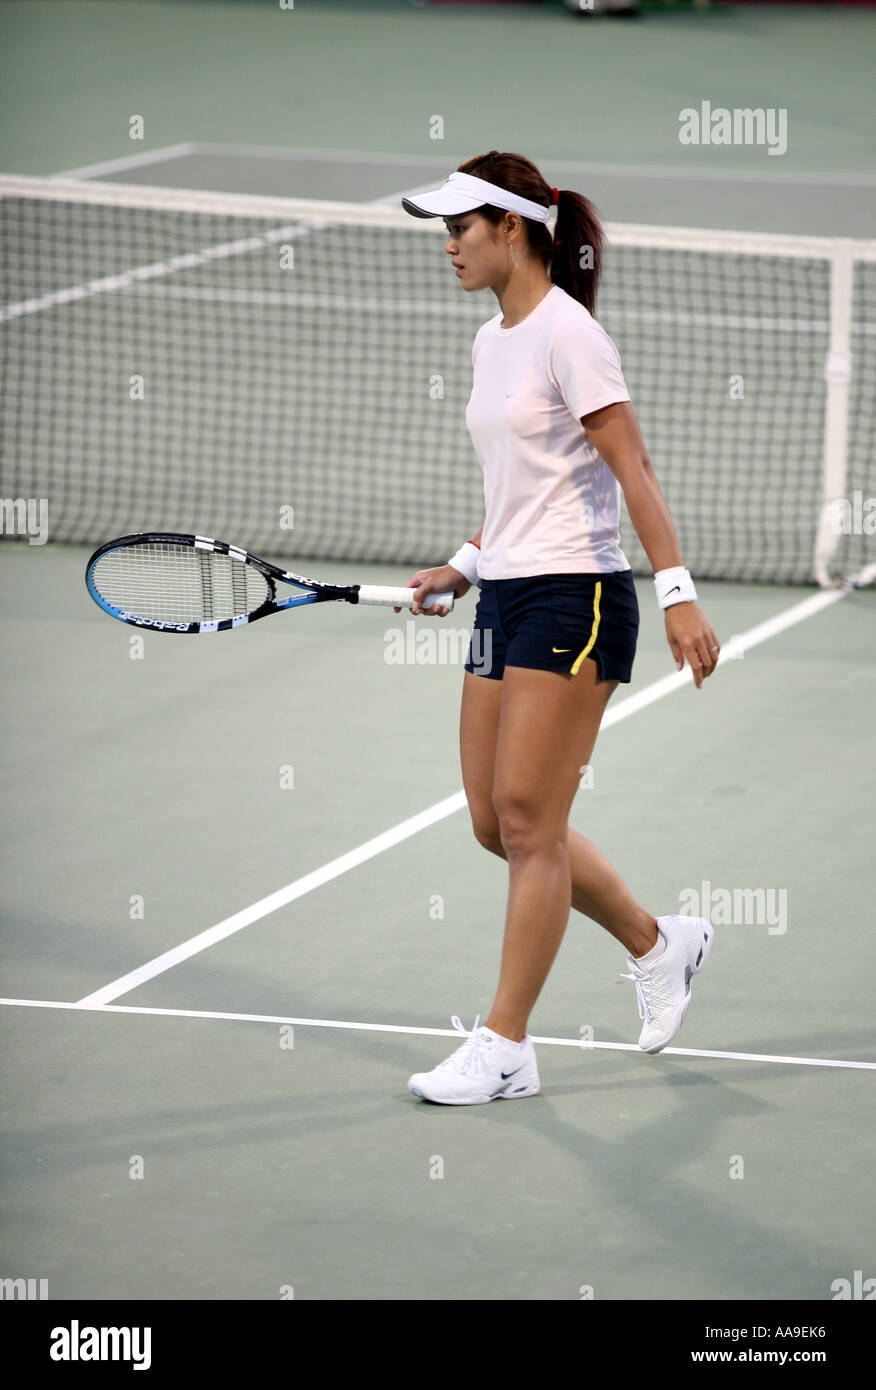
(485, 1068)
(663, 989)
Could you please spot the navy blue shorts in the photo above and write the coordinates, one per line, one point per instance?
(554, 622)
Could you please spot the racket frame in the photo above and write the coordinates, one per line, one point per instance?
(313, 590)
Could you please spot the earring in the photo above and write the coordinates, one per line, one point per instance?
(511, 249)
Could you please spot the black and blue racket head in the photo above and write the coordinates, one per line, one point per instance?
(176, 582)
(183, 583)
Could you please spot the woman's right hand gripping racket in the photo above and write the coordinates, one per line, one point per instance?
(433, 588)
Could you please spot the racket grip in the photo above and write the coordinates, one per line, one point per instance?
(399, 598)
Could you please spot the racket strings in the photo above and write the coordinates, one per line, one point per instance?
(179, 584)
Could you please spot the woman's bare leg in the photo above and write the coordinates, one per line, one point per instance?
(597, 890)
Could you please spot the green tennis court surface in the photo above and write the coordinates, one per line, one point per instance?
(266, 1165)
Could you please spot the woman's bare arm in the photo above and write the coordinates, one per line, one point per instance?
(615, 432)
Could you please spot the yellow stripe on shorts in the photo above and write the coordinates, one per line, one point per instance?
(597, 594)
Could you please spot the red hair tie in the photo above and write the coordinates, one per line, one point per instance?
(555, 196)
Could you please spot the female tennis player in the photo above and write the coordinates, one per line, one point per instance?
(557, 617)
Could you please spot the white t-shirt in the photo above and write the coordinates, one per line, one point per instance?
(552, 502)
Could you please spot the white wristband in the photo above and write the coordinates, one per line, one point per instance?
(674, 586)
(466, 561)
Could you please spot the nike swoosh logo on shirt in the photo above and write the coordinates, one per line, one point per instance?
(560, 650)
(507, 1074)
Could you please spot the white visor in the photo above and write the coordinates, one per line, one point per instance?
(463, 193)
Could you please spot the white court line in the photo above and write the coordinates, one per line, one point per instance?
(329, 156)
(700, 175)
(108, 284)
(128, 161)
(85, 1007)
(155, 270)
(450, 161)
(439, 811)
(270, 904)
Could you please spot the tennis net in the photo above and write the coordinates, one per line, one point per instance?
(292, 376)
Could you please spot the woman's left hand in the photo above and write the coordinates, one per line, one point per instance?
(690, 637)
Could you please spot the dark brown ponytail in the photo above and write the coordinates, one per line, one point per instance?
(573, 256)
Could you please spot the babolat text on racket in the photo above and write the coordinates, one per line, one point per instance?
(178, 583)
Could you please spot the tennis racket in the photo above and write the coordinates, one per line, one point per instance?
(172, 583)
